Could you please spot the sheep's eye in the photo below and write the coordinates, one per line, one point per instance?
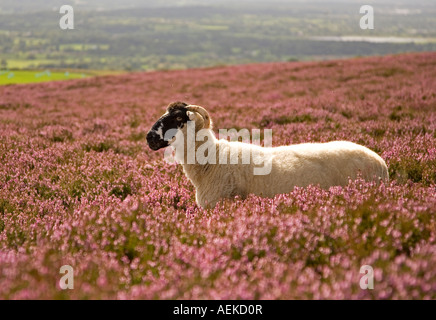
(179, 119)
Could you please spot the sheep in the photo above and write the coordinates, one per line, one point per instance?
(324, 164)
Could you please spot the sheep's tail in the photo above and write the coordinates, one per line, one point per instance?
(203, 113)
(385, 173)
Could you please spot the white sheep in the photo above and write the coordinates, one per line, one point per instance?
(324, 164)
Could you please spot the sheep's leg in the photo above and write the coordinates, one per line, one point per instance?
(207, 202)
(209, 196)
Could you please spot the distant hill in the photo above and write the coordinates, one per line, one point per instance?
(158, 35)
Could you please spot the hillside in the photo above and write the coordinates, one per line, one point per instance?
(79, 186)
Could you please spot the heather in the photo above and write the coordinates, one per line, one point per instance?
(79, 186)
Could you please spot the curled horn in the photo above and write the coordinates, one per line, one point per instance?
(203, 113)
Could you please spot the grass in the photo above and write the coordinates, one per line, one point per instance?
(33, 76)
(24, 63)
(83, 47)
(27, 76)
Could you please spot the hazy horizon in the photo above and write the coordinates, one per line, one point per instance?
(24, 6)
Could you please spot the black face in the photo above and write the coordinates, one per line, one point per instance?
(175, 118)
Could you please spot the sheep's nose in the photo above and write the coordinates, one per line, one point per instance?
(151, 140)
(149, 136)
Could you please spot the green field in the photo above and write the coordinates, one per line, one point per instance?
(20, 76)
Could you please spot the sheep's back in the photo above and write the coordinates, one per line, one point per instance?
(325, 164)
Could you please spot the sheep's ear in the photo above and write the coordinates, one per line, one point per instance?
(190, 115)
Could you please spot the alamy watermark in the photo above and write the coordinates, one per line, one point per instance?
(67, 20)
(367, 280)
(67, 280)
(367, 21)
(201, 148)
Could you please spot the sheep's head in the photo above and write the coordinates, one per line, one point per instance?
(178, 114)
